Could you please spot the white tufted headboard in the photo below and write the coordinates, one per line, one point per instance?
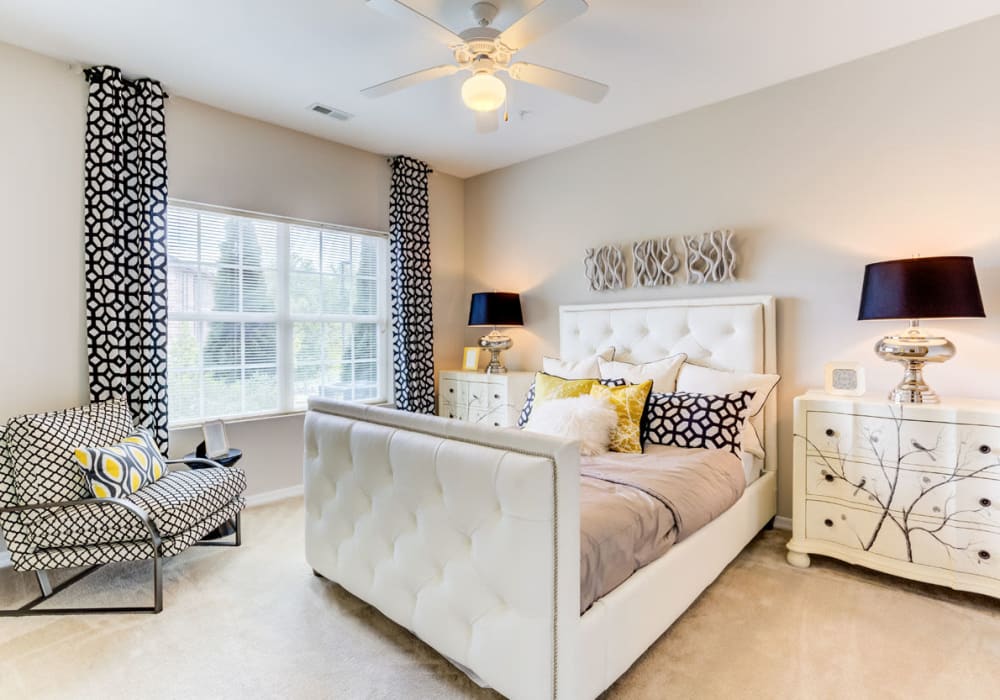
(733, 333)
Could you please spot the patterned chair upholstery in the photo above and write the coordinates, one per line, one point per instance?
(50, 519)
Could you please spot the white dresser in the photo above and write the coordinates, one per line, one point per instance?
(490, 399)
(911, 490)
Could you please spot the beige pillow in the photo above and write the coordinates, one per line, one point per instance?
(587, 368)
(662, 372)
(696, 379)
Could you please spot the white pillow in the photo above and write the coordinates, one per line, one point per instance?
(662, 372)
(588, 419)
(750, 441)
(587, 368)
(696, 379)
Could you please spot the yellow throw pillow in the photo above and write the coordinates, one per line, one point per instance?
(630, 402)
(548, 387)
(122, 469)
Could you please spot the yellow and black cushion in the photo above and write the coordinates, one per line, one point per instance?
(629, 402)
(122, 469)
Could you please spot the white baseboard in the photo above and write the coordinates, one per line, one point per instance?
(260, 499)
(782, 523)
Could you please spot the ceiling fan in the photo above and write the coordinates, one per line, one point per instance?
(485, 51)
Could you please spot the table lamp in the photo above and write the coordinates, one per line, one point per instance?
(919, 288)
(495, 309)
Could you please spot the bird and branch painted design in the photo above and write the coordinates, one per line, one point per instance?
(883, 488)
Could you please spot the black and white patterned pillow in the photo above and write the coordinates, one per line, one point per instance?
(698, 420)
(529, 400)
(40, 447)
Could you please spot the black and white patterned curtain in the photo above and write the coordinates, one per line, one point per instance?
(410, 254)
(125, 202)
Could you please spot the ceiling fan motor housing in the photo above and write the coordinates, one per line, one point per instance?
(474, 54)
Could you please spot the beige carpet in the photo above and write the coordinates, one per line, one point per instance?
(255, 623)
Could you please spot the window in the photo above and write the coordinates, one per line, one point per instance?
(265, 312)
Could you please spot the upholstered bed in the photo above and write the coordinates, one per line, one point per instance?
(471, 536)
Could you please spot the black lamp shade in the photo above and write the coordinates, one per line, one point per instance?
(943, 287)
(495, 309)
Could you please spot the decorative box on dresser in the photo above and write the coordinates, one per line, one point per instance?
(911, 490)
(490, 399)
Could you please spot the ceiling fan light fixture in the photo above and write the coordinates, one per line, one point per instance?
(484, 92)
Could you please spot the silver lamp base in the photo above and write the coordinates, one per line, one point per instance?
(495, 343)
(913, 349)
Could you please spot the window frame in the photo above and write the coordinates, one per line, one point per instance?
(285, 320)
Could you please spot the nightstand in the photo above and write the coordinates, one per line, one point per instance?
(489, 399)
(911, 490)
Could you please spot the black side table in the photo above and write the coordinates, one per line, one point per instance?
(227, 460)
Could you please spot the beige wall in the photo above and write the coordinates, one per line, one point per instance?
(893, 155)
(890, 156)
(214, 157)
(43, 359)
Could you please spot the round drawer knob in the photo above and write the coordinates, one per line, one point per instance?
(830, 432)
(985, 502)
(985, 449)
(983, 554)
(451, 415)
(828, 522)
(828, 477)
(496, 396)
(451, 391)
(496, 425)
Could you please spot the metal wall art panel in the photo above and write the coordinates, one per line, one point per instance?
(710, 257)
(605, 268)
(654, 263)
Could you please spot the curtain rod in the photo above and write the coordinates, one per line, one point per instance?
(389, 159)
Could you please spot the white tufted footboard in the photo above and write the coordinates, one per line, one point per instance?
(467, 536)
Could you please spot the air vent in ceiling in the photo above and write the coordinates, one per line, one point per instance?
(332, 112)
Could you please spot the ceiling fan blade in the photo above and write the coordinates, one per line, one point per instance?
(553, 79)
(487, 122)
(545, 17)
(405, 81)
(416, 20)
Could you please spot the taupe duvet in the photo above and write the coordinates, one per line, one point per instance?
(633, 508)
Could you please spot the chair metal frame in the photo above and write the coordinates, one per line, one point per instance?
(47, 590)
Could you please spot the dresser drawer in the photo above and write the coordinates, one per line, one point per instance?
(448, 390)
(866, 530)
(497, 394)
(474, 393)
(921, 444)
(932, 494)
(840, 524)
(832, 477)
(447, 409)
(973, 500)
(975, 552)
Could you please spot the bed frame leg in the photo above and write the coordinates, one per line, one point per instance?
(770, 524)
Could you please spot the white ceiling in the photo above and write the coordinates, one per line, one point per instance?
(270, 59)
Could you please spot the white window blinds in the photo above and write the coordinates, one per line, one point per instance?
(265, 313)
